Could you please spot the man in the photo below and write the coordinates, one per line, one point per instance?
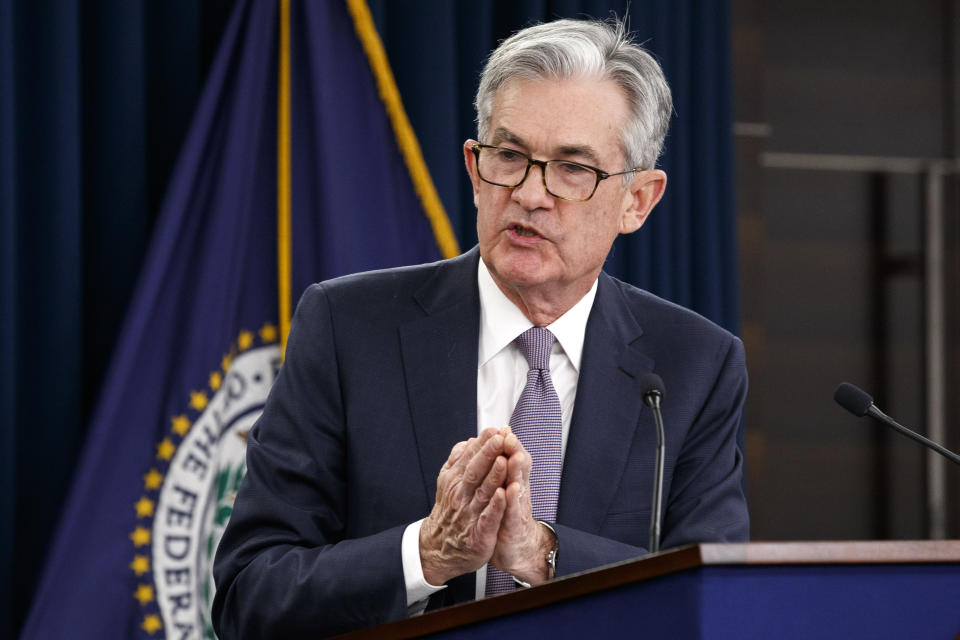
(382, 479)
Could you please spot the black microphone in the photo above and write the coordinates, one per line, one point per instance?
(859, 403)
(651, 388)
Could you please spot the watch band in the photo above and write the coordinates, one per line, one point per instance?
(551, 558)
(552, 554)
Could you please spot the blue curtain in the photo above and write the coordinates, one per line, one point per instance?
(95, 98)
(8, 326)
(42, 354)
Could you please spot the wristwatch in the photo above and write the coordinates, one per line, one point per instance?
(552, 554)
(551, 558)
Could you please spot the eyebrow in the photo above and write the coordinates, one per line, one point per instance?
(503, 135)
(580, 150)
(585, 151)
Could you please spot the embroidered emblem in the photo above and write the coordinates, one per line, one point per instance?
(189, 492)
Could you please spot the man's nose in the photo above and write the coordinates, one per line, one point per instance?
(532, 192)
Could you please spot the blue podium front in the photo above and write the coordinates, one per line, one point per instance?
(798, 591)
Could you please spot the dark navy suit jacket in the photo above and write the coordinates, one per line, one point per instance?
(380, 381)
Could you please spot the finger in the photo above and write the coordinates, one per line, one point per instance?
(474, 445)
(480, 463)
(495, 479)
(488, 523)
(511, 443)
(455, 454)
(518, 467)
(517, 508)
(466, 453)
(489, 432)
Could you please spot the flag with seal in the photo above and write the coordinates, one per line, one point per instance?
(300, 165)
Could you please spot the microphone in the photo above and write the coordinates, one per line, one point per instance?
(651, 388)
(859, 403)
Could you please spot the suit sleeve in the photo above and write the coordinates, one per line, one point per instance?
(284, 567)
(706, 501)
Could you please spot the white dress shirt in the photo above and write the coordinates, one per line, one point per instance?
(501, 376)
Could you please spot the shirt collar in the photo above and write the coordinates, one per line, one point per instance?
(501, 321)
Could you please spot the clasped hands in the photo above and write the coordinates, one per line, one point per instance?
(483, 513)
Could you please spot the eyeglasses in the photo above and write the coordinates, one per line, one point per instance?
(561, 178)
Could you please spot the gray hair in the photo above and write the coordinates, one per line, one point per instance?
(566, 49)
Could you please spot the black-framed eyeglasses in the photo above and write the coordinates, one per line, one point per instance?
(561, 178)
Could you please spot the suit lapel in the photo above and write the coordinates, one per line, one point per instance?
(440, 364)
(606, 410)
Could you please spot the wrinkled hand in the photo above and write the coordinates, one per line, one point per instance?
(461, 531)
(522, 543)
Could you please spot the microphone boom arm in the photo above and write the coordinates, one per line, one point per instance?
(896, 426)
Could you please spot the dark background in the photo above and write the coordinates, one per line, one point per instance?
(834, 287)
(832, 284)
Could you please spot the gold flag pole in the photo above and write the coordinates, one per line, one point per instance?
(284, 260)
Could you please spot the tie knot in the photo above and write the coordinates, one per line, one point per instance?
(535, 344)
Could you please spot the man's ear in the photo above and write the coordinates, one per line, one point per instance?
(642, 196)
(470, 160)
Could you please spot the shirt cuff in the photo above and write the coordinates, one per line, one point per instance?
(418, 589)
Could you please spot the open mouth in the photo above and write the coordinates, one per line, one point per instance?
(522, 231)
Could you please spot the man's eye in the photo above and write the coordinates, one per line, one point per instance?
(505, 155)
(573, 169)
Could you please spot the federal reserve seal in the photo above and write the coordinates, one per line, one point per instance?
(196, 490)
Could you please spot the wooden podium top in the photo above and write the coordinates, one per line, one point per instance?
(666, 562)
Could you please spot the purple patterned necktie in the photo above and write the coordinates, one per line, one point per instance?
(538, 423)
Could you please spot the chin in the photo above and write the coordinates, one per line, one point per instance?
(522, 266)
(523, 273)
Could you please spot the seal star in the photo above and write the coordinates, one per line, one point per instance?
(180, 425)
(268, 333)
(165, 449)
(151, 623)
(198, 400)
(244, 340)
(140, 565)
(144, 507)
(152, 480)
(144, 594)
(140, 536)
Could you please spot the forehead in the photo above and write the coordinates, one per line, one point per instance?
(560, 117)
